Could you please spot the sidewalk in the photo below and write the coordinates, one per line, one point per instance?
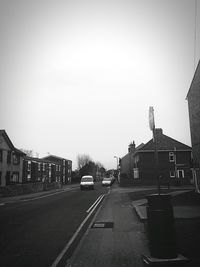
(26, 197)
(116, 237)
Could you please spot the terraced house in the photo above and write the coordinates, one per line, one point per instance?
(11, 161)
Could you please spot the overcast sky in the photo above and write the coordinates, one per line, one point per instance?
(78, 77)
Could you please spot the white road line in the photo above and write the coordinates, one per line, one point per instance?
(94, 204)
(62, 253)
(2, 204)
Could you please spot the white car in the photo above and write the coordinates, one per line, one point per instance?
(87, 181)
(106, 181)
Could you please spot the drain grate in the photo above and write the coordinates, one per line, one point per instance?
(102, 225)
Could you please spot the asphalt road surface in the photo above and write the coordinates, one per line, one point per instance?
(34, 232)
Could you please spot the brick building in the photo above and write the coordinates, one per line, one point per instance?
(66, 167)
(11, 161)
(174, 159)
(193, 98)
(40, 170)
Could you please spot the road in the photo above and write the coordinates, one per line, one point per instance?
(34, 232)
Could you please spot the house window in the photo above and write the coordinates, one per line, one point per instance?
(171, 156)
(43, 167)
(9, 157)
(15, 177)
(136, 173)
(180, 173)
(172, 174)
(15, 159)
(49, 170)
(28, 177)
(29, 165)
(1, 155)
(39, 167)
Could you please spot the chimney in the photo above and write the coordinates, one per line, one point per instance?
(131, 147)
(158, 132)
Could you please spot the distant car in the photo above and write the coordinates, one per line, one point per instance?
(106, 181)
(87, 182)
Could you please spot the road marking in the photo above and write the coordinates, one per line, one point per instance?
(2, 204)
(63, 252)
(98, 199)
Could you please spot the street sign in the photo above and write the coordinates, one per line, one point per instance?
(151, 119)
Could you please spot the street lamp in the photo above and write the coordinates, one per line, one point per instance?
(117, 161)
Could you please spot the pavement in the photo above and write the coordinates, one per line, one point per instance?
(42, 194)
(117, 235)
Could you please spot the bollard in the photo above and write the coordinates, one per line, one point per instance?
(161, 227)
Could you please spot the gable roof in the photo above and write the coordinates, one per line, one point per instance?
(10, 144)
(164, 142)
(195, 80)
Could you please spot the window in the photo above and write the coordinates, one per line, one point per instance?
(39, 167)
(49, 170)
(0, 178)
(172, 174)
(29, 177)
(9, 157)
(15, 177)
(43, 167)
(29, 165)
(171, 156)
(16, 159)
(180, 173)
(1, 155)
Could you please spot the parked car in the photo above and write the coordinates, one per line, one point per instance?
(87, 182)
(106, 181)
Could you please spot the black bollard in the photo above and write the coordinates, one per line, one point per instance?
(161, 227)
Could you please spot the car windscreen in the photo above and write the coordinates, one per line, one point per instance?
(106, 179)
(87, 179)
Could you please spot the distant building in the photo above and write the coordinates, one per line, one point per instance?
(193, 98)
(174, 158)
(40, 170)
(66, 167)
(11, 161)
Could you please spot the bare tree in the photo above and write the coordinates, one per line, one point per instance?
(83, 160)
(30, 152)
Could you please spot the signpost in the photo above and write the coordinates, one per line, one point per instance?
(152, 128)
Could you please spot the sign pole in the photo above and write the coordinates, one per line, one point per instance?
(152, 128)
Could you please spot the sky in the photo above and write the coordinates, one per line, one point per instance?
(78, 76)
